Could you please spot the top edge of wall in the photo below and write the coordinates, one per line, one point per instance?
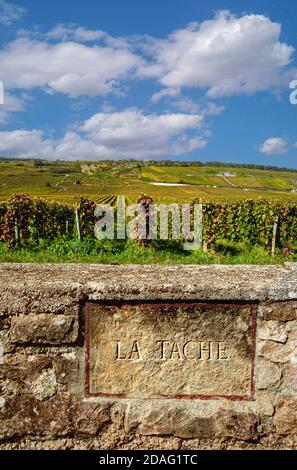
(85, 282)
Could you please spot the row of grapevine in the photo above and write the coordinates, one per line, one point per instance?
(23, 217)
(250, 221)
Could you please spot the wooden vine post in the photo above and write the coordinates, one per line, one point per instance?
(200, 225)
(275, 230)
(17, 234)
(78, 228)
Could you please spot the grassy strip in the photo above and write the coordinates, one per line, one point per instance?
(127, 252)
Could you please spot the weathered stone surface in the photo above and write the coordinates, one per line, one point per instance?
(273, 330)
(291, 327)
(66, 369)
(291, 376)
(267, 374)
(285, 418)
(87, 418)
(4, 323)
(44, 329)
(43, 400)
(264, 404)
(171, 420)
(25, 415)
(28, 374)
(238, 425)
(67, 284)
(1, 350)
(277, 352)
(39, 374)
(45, 386)
(20, 299)
(280, 311)
(59, 416)
(170, 350)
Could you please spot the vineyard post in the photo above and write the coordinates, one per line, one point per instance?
(78, 228)
(200, 225)
(275, 229)
(204, 247)
(202, 243)
(17, 233)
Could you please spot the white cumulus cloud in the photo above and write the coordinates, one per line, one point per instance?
(114, 135)
(25, 144)
(274, 146)
(68, 67)
(134, 133)
(226, 55)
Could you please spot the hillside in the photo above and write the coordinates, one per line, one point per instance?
(164, 181)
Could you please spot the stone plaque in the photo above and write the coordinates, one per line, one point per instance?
(170, 350)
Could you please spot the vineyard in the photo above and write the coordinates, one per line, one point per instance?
(245, 208)
(168, 182)
(262, 223)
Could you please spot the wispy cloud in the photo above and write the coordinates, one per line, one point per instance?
(9, 13)
(165, 93)
(66, 32)
(12, 104)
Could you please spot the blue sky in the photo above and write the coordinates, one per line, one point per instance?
(149, 79)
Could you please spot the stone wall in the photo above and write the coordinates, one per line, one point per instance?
(59, 388)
